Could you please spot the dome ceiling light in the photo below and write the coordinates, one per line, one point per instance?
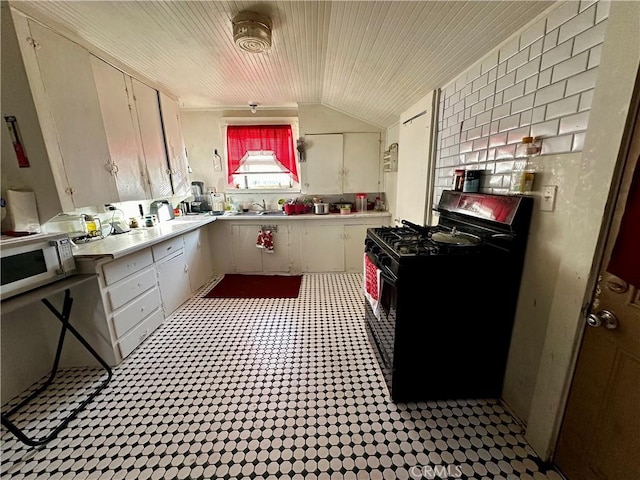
(252, 32)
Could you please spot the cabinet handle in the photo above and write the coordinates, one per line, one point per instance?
(198, 244)
(142, 309)
(186, 268)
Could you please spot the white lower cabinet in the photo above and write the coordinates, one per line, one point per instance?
(173, 280)
(333, 248)
(248, 258)
(137, 292)
(322, 248)
(196, 248)
(354, 236)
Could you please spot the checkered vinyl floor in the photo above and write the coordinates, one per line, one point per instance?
(265, 388)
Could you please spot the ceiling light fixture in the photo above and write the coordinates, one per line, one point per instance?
(254, 107)
(252, 32)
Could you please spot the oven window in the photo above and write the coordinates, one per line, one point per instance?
(23, 265)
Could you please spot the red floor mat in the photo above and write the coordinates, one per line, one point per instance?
(256, 286)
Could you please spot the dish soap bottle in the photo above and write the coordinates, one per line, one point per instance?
(524, 171)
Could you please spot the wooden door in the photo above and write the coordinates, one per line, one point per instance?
(361, 167)
(414, 163)
(196, 247)
(279, 260)
(173, 279)
(600, 433)
(354, 236)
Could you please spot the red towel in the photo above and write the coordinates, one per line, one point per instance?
(265, 240)
(371, 285)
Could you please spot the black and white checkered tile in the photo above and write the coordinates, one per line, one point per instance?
(267, 388)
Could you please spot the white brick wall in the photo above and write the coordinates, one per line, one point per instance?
(539, 83)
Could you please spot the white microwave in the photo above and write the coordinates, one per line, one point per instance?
(33, 261)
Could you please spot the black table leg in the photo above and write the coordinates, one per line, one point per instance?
(64, 319)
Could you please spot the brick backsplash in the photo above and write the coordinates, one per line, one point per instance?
(538, 83)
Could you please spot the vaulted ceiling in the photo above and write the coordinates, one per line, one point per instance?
(370, 59)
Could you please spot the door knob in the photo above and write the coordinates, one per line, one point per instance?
(604, 317)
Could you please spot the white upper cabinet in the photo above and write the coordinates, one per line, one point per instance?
(321, 173)
(361, 167)
(152, 137)
(341, 163)
(176, 151)
(67, 100)
(120, 128)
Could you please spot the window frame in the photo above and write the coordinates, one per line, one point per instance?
(247, 121)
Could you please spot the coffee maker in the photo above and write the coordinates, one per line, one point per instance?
(200, 201)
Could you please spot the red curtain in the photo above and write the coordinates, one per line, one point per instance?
(276, 138)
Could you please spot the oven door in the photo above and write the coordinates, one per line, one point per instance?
(381, 329)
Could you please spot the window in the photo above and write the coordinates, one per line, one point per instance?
(261, 156)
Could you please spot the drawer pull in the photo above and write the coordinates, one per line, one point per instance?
(139, 285)
(142, 309)
(169, 247)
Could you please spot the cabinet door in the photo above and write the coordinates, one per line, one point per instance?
(247, 258)
(65, 69)
(361, 162)
(175, 145)
(173, 280)
(196, 245)
(279, 260)
(150, 125)
(323, 248)
(322, 172)
(122, 135)
(354, 236)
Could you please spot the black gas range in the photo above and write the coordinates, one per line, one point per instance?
(448, 296)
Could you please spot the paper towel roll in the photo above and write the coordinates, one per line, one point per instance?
(22, 213)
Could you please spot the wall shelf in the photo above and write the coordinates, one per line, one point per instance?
(390, 158)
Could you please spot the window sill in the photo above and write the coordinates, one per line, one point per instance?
(262, 190)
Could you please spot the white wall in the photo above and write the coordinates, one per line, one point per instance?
(204, 130)
(574, 117)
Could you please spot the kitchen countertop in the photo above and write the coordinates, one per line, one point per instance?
(303, 216)
(117, 246)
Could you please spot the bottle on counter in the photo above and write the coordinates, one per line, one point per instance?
(361, 202)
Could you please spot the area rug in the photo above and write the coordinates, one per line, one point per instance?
(256, 286)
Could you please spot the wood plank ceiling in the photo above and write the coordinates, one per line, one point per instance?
(371, 59)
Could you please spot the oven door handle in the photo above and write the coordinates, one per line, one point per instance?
(385, 272)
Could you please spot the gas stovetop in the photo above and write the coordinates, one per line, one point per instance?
(407, 242)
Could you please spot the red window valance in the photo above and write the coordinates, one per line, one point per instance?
(276, 138)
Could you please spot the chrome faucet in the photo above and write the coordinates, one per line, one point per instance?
(262, 205)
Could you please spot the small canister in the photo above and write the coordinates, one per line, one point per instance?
(458, 180)
(471, 181)
(361, 202)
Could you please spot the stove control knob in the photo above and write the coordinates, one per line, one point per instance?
(385, 260)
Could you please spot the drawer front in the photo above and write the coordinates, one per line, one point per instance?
(130, 288)
(123, 267)
(163, 249)
(140, 333)
(132, 314)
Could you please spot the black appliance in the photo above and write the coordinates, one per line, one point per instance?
(448, 297)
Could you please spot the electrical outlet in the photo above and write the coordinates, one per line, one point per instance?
(548, 201)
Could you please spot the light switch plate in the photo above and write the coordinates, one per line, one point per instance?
(548, 201)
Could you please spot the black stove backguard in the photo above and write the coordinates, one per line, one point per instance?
(446, 328)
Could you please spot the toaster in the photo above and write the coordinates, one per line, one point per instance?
(162, 209)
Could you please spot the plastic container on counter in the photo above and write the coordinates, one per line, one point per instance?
(361, 202)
